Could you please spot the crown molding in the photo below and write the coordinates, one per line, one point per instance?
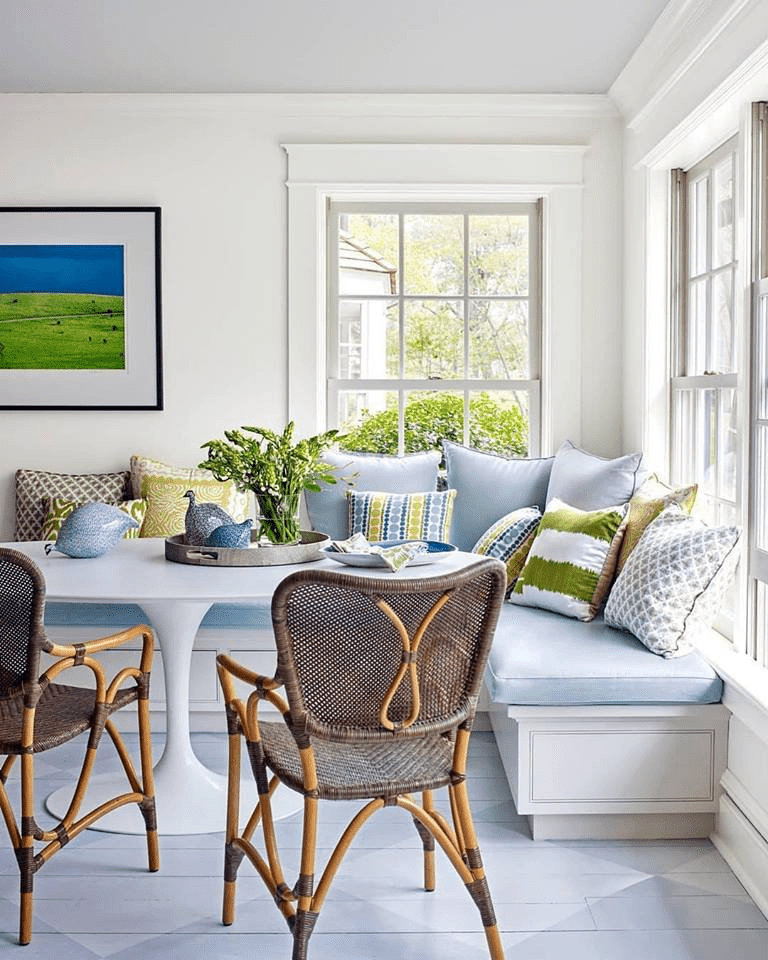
(682, 35)
(312, 105)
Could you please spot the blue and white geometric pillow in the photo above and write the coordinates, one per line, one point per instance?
(509, 539)
(674, 581)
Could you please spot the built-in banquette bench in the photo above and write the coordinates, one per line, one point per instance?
(599, 736)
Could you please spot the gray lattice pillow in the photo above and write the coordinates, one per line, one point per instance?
(32, 486)
(673, 581)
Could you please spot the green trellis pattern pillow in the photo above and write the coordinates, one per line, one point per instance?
(509, 539)
(646, 505)
(572, 560)
(57, 509)
(400, 516)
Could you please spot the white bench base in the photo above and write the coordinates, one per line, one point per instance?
(614, 772)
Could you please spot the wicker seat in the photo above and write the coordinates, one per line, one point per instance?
(381, 678)
(37, 714)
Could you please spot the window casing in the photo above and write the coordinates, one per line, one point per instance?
(434, 297)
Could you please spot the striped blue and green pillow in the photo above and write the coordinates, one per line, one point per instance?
(572, 560)
(509, 539)
(400, 516)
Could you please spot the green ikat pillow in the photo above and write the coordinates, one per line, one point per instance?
(400, 516)
(572, 560)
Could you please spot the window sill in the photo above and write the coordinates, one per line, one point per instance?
(746, 682)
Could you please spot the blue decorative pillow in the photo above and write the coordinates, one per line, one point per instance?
(488, 487)
(589, 482)
(91, 530)
(400, 516)
(510, 539)
(328, 508)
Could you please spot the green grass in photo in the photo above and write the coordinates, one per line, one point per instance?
(61, 331)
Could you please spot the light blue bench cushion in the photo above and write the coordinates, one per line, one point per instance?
(116, 616)
(543, 658)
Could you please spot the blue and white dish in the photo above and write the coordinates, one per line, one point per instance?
(436, 549)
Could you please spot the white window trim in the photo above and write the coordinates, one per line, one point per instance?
(453, 172)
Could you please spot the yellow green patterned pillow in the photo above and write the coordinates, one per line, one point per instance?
(400, 516)
(646, 505)
(167, 506)
(235, 502)
(57, 509)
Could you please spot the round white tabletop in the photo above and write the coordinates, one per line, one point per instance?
(190, 797)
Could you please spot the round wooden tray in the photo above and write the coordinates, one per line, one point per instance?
(257, 555)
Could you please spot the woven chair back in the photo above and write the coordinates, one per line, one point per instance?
(22, 602)
(363, 658)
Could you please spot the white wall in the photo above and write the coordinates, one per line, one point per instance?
(688, 89)
(214, 165)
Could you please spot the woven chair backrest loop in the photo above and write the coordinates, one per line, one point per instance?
(364, 657)
(22, 604)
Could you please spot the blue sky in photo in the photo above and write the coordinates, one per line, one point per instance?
(62, 268)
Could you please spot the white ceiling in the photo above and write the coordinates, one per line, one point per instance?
(335, 46)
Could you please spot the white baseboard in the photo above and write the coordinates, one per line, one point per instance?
(617, 826)
(744, 849)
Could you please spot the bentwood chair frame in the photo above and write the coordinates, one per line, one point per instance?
(381, 676)
(38, 714)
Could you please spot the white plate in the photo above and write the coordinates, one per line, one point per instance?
(435, 550)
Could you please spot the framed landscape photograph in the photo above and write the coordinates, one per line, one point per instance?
(80, 319)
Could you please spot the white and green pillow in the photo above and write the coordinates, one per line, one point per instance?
(400, 516)
(572, 560)
(509, 539)
(57, 509)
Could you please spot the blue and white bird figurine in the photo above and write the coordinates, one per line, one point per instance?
(235, 535)
(201, 519)
(91, 529)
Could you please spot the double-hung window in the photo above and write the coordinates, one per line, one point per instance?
(434, 325)
(704, 357)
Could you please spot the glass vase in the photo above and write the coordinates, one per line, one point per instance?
(278, 518)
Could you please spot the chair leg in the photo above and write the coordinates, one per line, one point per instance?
(147, 805)
(305, 919)
(232, 855)
(428, 843)
(26, 852)
(478, 887)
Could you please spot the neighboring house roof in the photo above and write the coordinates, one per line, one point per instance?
(355, 255)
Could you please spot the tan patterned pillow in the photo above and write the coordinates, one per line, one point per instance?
(57, 509)
(33, 485)
(167, 506)
(236, 504)
(646, 505)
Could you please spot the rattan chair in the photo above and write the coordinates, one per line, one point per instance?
(381, 677)
(37, 714)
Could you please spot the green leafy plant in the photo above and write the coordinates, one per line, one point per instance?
(431, 418)
(276, 469)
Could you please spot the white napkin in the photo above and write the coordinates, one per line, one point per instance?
(395, 557)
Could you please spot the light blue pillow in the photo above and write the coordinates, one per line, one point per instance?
(488, 487)
(328, 508)
(589, 482)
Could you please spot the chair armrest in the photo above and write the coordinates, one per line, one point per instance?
(258, 680)
(69, 655)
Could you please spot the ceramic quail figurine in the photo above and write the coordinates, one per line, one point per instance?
(91, 529)
(201, 519)
(236, 535)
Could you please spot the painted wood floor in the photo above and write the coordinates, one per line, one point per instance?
(554, 900)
